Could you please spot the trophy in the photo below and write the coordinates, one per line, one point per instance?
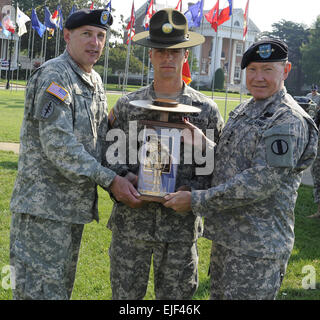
(159, 154)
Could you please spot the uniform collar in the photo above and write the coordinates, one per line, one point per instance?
(86, 77)
(253, 109)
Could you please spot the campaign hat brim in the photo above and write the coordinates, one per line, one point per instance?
(143, 39)
(180, 108)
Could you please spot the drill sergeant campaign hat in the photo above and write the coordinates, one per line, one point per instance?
(267, 50)
(85, 17)
(169, 30)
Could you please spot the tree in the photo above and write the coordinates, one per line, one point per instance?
(219, 79)
(310, 55)
(117, 59)
(294, 34)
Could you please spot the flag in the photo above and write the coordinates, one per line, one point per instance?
(4, 31)
(225, 13)
(186, 74)
(22, 19)
(73, 9)
(245, 22)
(194, 14)
(8, 24)
(91, 7)
(179, 4)
(130, 27)
(149, 13)
(108, 6)
(49, 21)
(60, 18)
(212, 16)
(55, 18)
(36, 24)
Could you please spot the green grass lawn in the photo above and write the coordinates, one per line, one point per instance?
(11, 112)
(92, 280)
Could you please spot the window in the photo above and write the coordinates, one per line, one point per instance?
(237, 24)
(237, 72)
(239, 49)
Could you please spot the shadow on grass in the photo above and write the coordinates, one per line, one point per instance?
(15, 105)
(9, 165)
(300, 294)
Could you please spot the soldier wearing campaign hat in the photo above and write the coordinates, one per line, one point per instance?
(153, 230)
(62, 145)
(249, 210)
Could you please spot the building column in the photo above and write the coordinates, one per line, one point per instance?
(216, 51)
(219, 51)
(233, 61)
(243, 81)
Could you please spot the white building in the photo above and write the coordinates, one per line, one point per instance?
(218, 45)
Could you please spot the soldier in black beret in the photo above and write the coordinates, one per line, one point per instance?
(97, 18)
(249, 209)
(62, 147)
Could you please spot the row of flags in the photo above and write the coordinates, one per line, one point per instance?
(51, 22)
(216, 17)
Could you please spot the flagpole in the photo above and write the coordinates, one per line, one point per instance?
(200, 57)
(243, 50)
(214, 63)
(32, 44)
(229, 62)
(126, 71)
(142, 73)
(29, 44)
(106, 60)
(148, 76)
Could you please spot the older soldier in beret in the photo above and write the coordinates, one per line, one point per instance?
(153, 230)
(249, 210)
(62, 144)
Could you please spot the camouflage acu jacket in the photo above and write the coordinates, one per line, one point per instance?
(154, 222)
(62, 143)
(260, 157)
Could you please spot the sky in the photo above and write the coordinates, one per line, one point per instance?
(263, 12)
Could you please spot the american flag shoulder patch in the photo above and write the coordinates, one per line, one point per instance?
(58, 91)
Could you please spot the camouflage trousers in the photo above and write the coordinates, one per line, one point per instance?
(315, 172)
(44, 255)
(241, 277)
(175, 268)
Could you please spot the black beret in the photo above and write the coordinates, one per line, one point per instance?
(267, 50)
(85, 17)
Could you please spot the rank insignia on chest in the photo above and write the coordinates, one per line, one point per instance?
(47, 111)
(58, 91)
